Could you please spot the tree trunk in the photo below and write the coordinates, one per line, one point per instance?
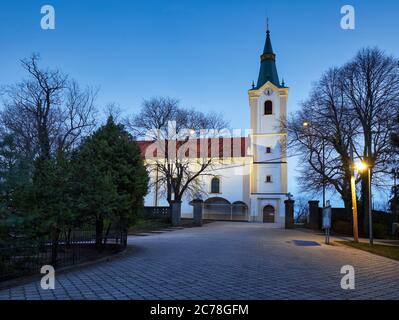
(365, 204)
(99, 232)
(68, 238)
(348, 207)
(107, 233)
(346, 190)
(44, 141)
(169, 193)
(176, 213)
(54, 247)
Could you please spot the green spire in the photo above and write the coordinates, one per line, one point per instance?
(268, 69)
(268, 45)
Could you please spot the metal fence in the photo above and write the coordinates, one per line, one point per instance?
(26, 256)
(156, 213)
(225, 212)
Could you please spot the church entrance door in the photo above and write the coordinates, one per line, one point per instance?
(269, 214)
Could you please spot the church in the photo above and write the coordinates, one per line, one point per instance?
(251, 185)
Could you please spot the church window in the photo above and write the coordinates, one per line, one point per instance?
(268, 150)
(268, 179)
(215, 185)
(268, 107)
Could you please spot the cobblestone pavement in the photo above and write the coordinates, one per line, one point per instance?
(225, 261)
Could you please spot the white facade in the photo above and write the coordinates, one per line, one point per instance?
(257, 180)
(234, 185)
(268, 133)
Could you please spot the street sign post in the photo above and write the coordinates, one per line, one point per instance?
(327, 221)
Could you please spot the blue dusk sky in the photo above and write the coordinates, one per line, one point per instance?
(204, 52)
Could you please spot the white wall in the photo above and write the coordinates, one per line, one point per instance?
(234, 184)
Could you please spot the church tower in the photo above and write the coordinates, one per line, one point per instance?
(268, 174)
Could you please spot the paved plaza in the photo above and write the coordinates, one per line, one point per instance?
(221, 261)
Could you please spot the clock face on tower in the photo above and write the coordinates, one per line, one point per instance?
(269, 92)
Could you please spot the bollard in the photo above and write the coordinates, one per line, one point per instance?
(289, 214)
(197, 211)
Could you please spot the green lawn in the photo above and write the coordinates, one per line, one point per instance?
(391, 252)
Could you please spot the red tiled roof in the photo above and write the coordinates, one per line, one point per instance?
(217, 147)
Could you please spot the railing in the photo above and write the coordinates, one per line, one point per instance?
(26, 256)
(157, 212)
(225, 212)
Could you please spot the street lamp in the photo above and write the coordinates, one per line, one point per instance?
(354, 206)
(306, 125)
(362, 167)
(395, 192)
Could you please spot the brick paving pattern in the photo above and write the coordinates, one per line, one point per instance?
(223, 261)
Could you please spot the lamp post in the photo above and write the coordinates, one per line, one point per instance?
(370, 206)
(324, 171)
(354, 208)
(395, 192)
(362, 167)
(306, 125)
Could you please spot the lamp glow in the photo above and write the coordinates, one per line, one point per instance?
(361, 166)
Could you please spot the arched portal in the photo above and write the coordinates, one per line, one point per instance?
(269, 214)
(239, 211)
(217, 208)
(217, 200)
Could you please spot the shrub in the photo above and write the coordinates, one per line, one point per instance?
(343, 227)
(379, 230)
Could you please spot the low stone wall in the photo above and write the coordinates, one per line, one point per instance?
(156, 213)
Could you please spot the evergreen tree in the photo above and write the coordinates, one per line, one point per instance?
(53, 204)
(15, 184)
(112, 178)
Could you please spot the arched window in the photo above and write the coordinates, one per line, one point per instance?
(215, 185)
(268, 107)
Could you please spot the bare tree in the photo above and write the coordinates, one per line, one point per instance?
(395, 134)
(47, 112)
(301, 209)
(321, 134)
(114, 110)
(181, 142)
(371, 87)
(154, 115)
(350, 113)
